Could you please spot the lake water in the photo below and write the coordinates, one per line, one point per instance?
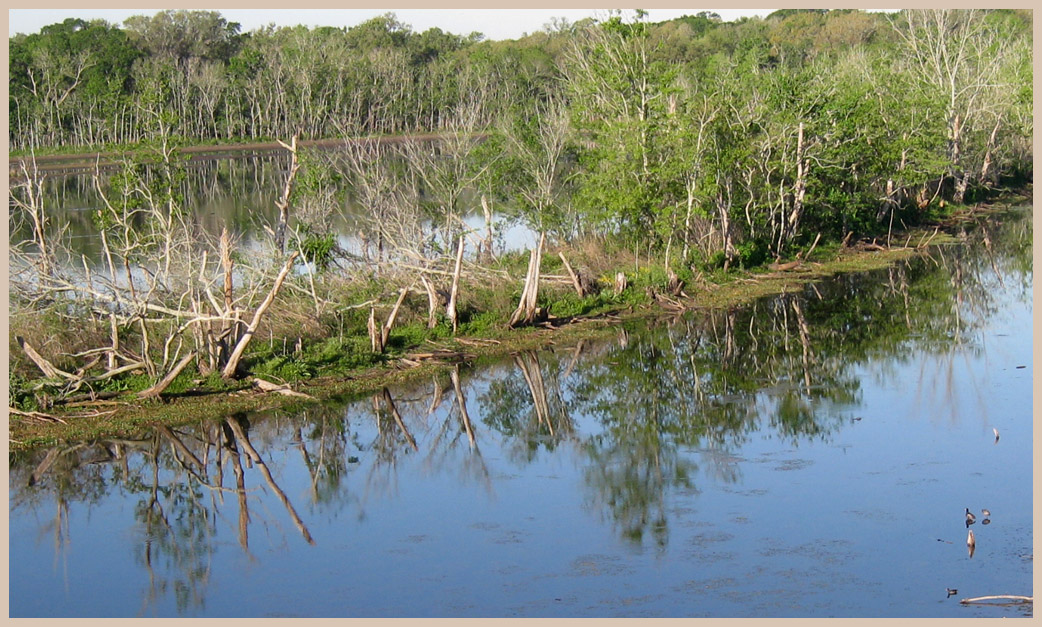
(237, 193)
(809, 455)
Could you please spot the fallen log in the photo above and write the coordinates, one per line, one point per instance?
(448, 355)
(784, 267)
(477, 342)
(285, 390)
(998, 597)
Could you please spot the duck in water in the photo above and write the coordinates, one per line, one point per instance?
(970, 518)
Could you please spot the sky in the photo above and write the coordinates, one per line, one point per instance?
(493, 23)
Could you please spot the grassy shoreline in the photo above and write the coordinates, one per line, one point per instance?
(122, 418)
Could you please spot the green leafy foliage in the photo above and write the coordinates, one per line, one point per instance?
(19, 393)
(319, 249)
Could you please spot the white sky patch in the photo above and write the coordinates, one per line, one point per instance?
(493, 23)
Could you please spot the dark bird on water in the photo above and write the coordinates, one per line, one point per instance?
(952, 591)
(970, 518)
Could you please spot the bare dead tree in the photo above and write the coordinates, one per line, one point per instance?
(283, 203)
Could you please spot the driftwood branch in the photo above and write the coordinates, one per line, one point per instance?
(812, 246)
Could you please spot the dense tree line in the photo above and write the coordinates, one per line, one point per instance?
(694, 138)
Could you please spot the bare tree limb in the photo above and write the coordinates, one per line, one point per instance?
(48, 369)
(571, 274)
(233, 359)
(158, 388)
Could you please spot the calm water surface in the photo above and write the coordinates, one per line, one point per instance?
(239, 194)
(810, 455)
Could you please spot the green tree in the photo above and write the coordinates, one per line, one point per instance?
(619, 98)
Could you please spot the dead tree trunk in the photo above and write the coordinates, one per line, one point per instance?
(432, 302)
(488, 254)
(620, 283)
(226, 336)
(379, 336)
(986, 174)
(527, 312)
(33, 205)
(454, 293)
(374, 333)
